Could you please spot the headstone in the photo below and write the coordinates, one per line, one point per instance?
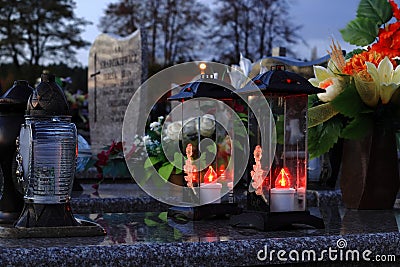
(278, 51)
(117, 67)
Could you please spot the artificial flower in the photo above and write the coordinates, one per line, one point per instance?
(238, 74)
(326, 79)
(174, 130)
(189, 127)
(385, 78)
(207, 125)
(366, 81)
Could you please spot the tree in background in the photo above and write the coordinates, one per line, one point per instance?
(174, 27)
(38, 31)
(252, 27)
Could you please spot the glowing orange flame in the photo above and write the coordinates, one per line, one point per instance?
(283, 179)
(210, 175)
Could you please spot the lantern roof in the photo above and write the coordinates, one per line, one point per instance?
(278, 80)
(47, 99)
(205, 87)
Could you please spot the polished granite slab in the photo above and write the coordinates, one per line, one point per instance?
(140, 234)
(152, 239)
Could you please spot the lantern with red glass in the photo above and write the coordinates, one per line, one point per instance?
(207, 119)
(281, 190)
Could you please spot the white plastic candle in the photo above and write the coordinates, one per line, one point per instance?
(210, 193)
(282, 199)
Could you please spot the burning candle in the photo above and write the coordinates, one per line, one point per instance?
(282, 196)
(210, 190)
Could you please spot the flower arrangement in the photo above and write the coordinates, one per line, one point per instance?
(361, 88)
(163, 136)
(109, 162)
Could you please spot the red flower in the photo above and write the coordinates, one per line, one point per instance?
(102, 158)
(118, 146)
(389, 41)
(238, 108)
(395, 8)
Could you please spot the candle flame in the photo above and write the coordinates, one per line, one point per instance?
(210, 175)
(283, 179)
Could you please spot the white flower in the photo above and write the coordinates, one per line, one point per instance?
(189, 127)
(238, 74)
(136, 142)
(245, 64)
(173, 130)
(154, 125)
(326, 79)
(147, 140)
(207, 125)
(387, 79)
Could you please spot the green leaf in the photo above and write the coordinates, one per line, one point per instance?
(238, 144)
(90, 163)
(150, 222)
(360, 31)
(178, 160)
(212, 148)
(322, 137)
(280, 129)
(379, 11)
(349, 102)
(358, 127)
(242, 115)
(109, 170)
(354, 52)
(177, 234)
(312, 100)
(151, 161)
(166, 170)
(163, 216)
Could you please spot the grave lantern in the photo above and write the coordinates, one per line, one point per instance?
(278, 177)
(46, 158)
(209, 129)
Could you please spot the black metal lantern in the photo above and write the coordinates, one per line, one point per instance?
(279, 179)
(12, 110)
(207, 138)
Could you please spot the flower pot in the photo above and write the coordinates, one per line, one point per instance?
(370, 171)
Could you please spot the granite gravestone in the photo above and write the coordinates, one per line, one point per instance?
(117, 67)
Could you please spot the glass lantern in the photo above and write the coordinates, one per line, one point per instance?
(209, 129)
(278, 174)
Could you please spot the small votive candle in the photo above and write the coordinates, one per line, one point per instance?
(282, 199)
(210, 193)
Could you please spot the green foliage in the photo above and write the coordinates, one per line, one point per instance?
(163, 216)
(47, 29)
(163, 166)
(349, 102)
(280, 129)
(150, 222)
(358, 127)
(371, 14)
(360, 31)
(378, 11)
(165, 170)
(322, 137)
